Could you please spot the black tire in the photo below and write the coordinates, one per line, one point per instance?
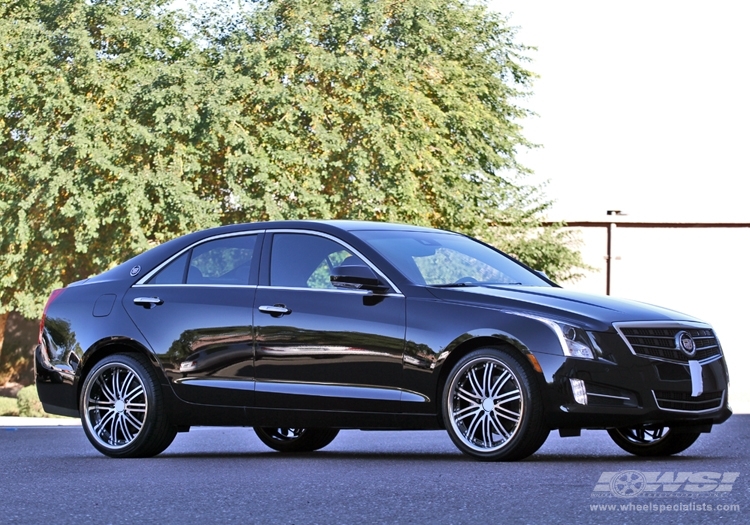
(492, 406)
(122, 409)
(652, 441)
(296, 439)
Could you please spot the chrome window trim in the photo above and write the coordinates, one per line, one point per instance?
(149, 275)
(142, 282)
(337, 290)
(196, 284)
(346, 245)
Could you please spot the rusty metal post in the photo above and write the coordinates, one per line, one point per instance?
(610, 230)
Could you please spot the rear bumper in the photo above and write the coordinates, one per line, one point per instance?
(55, 386)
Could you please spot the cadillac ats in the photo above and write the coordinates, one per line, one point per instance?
(300, 329)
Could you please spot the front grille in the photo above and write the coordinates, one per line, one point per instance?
(659, 342)
(684, 402)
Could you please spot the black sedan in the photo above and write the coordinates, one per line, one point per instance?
(299, 329)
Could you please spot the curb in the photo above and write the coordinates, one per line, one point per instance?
(17, 422)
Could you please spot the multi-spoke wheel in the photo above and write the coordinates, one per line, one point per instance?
(121, 408)
(652, 441)
(296, 439)
(492, 406)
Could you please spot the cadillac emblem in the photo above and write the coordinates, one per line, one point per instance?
(135, 270)
(684, 341)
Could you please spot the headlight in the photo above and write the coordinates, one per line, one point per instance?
(574, 341)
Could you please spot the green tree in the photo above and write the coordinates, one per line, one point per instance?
(98, 102)
(389, 110)
(124, 123)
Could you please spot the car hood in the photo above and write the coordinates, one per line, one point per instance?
(593, 312)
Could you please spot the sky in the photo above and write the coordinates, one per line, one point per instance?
(642, 106)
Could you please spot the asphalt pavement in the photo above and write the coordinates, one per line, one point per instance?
(226, 475)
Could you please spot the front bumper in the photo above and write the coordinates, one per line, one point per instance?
(626, 390)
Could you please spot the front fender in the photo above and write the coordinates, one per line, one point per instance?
(438, 333)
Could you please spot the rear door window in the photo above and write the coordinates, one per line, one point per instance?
(222, 261)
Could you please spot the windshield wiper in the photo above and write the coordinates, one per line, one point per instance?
(477, 283)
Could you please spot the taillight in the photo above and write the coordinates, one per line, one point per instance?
(54, 295)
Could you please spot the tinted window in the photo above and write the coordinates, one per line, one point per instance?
(436, 258)
(173, 273)
(305, 261)
(222, 261)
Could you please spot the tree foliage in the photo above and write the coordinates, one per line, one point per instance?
(395, 110)
(124, 123)
(384, 110)
(98, 104)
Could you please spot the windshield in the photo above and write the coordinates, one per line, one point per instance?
(448, 259)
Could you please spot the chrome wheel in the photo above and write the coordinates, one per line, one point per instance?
(492, 406)
(122, 409)
(652, 441)
(296, 439)
(644, 436)
(284, 434)
(486, 405)
(115, 405)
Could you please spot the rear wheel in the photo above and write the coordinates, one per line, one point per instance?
(652, 441)
(492, 407)
(122, 409)
(296, 439)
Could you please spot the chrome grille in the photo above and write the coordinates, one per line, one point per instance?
(659, 342)
(684, 402)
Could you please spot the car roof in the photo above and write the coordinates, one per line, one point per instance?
(373, 225)
(346, 225)
(149, 258)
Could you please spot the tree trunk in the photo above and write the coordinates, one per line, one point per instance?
(18, 337)
(3, 321)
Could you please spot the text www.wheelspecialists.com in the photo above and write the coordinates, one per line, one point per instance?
(662, 508)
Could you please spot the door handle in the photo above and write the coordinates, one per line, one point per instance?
(148, 302)
(276, 310)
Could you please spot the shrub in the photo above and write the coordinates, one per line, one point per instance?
(8, 406)
(29, 404)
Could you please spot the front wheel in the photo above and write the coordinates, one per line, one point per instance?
(296, 439)
(122, 410)
(492, 406)
(652, 441)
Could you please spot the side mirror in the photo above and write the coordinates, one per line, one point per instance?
(356, 277)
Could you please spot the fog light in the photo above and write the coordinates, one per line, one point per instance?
(579, 391)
